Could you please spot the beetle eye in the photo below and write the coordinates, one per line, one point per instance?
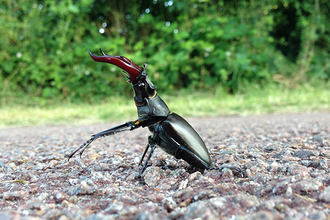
(141, 84)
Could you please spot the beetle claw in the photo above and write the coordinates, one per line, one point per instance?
(141, 180)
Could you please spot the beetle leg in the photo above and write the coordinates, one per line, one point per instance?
(144, 153)
(152, 145)
(232, 168)
(182, 151)
(128, 126)
(82, 147)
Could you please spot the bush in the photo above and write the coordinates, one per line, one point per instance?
(226, 45)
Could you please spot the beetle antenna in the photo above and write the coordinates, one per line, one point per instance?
(143, 68)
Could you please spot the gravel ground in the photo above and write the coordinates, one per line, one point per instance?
(285, 159)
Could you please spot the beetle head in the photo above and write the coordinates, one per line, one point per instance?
(139, 79)
(143, 88)
(122, 62)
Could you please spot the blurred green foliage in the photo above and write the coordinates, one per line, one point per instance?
(221, 46)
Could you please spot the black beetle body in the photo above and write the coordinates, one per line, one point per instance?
(170, 132)
(176, 137)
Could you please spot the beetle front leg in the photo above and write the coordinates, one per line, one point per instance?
(83, 147)
(131, 125)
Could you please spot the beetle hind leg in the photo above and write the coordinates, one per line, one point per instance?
(236, 169)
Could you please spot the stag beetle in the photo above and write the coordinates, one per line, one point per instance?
(170, 131)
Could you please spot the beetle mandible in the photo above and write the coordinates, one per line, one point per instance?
(170, 131)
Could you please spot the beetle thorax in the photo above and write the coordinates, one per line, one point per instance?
(149, 104)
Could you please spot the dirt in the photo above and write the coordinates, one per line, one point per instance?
(284, 159)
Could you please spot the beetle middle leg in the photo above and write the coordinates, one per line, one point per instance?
(144, 153)
(152, 146)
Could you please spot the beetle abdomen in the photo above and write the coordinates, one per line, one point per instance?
(190, 146)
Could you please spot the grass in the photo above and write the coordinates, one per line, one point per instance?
(272, 99)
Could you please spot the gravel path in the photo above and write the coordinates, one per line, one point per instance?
(285, 159)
